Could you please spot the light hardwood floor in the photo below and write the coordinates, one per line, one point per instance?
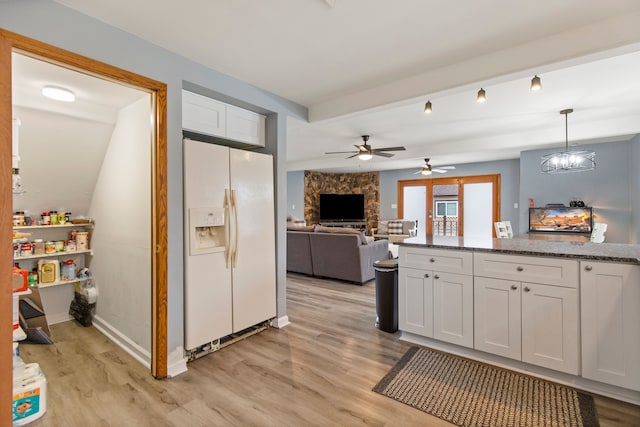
(318, 371)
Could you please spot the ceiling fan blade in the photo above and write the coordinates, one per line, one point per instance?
(438, 170)
(390, 149)
(447, 167)
(378, 153)
(341, 152)
(352, 156)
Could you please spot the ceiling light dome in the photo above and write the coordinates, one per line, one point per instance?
(58, 93)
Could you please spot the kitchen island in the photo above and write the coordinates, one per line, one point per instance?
(568, 311)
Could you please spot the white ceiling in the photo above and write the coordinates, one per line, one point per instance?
(368, 66)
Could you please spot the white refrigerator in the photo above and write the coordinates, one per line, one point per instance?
(230, 261)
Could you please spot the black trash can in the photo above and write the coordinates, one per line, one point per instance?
(387, 294)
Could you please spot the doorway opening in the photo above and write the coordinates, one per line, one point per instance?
(11, 43)
(455, 206)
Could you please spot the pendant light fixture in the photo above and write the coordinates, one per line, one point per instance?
(536, 84)
(568, 161)
(481, 96)
(427, 107)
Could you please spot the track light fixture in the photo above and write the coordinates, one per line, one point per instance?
(427, 107)
(536, 83)
(481, 96)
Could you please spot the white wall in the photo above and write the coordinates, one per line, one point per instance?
(121, 240)
(59, 154)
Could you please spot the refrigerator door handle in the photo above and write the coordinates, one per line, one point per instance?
(234, 202)
(227, 227)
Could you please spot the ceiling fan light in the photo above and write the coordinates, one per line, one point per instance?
(427, 107)
(58, 93)
(365, 156)
(482, 96)
(426, 171)
(536, 84)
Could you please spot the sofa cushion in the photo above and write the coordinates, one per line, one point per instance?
(383, 227)
(301, 227)
(395, 227)
(342, 230)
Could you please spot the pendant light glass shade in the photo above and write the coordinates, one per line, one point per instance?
(427, 107)
(568, 161)
(481, 96)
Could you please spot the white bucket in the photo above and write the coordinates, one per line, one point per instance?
(29, 394)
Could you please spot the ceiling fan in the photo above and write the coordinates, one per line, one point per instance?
(365, 152)
(427, 169)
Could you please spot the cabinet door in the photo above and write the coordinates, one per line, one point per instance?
(550, 327)
(245, 126)
(415, 301)
(453, 308)
(497, 316)
(610, 309)
(203, 115)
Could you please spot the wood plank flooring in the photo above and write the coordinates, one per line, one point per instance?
(318, 371)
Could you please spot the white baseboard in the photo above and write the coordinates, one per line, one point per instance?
(280, 322)
(137, 352)
(176, 362)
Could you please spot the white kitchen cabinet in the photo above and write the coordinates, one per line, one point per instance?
(415, 301)
(203, 115)
(435, 297)
(208, 116)
(453, 308)
(550, 327)
(533, 322)
(497, 317)
(610, 315)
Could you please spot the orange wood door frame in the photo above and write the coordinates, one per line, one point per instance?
(10, 42)
(460, 181)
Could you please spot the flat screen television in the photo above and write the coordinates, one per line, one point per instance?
(341, 207)
(560, 220)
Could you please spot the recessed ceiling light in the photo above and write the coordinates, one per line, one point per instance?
(58, 93)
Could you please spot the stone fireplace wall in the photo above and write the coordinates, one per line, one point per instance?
(316, 183)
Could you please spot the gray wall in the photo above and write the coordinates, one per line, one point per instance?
(509, 184)
(55, 24)
(606, 189)
(634, 191)
(295, 194)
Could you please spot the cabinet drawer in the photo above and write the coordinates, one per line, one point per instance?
(447, 261)
(548, 271)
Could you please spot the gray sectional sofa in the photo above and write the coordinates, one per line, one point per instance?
(332, 252)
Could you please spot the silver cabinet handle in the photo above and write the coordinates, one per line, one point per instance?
(432, 260)
(526, 289)
(436, 277)
(588, 267)
(426, 276)
(514, 287)
(520, 268)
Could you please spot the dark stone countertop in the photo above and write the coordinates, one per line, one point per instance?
(535, 245)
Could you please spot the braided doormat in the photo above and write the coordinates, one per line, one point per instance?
(469, 393)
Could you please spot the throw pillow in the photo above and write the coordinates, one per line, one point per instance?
(383, 227)
(395, 227)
